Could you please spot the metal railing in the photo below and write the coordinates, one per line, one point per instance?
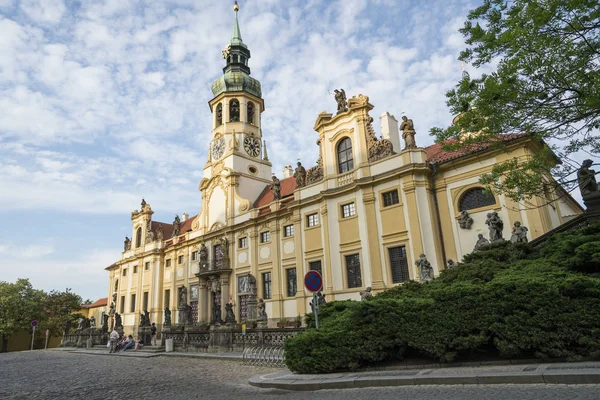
(264, 356)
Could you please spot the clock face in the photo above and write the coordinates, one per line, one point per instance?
(252, 146)
(218, 148)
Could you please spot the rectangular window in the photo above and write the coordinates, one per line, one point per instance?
(243, 243)
(147, 266)
(288, 230)
(315, 266)
(124, 271)
(194, 255)
(180, 260)
(265, 237)
(122, 306)
(145, 303)
(399, 264)
(312, 219)
(132, 306)
(291, 282)
(168, 298)
(353, 271)
(168, 263)
(135, 269)
(390, 198)
(348, 210)
(267, 288)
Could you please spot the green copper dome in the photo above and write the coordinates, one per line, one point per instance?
(236, 81)
(236, 73)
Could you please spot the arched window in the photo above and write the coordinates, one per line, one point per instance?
(344, 152)
(138, 237)
(219, 114)
(234, 110)
(475, 198)
(250, 112)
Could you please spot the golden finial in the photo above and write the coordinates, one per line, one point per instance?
(236, 8)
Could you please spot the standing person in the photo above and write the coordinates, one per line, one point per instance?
(114, 338)
(153, 332)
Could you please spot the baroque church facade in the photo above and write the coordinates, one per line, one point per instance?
(366, 215)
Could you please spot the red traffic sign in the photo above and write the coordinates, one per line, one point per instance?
(313, 281)
(34, 323)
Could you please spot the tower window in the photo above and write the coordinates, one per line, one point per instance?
(234, 110)
(219, 115)
(251, 112)
(344, 152)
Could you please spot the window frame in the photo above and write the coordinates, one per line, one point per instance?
(168, 263)
(135, 269)
(288, 232)
(265, 237)
(348, 210)
(147, 266)
(311, 265)
(315, 222)
(390, 192)
(403, 269)
(243, 242)
(287, 282)
(180, 259)
(124, 272)
(132, 304)
(357, 283)
(267, 294)
(479, 199)
(348, 164)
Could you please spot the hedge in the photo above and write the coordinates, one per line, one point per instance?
(511, 300)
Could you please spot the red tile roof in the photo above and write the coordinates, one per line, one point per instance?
(288, 185)
(98, 303)
(168, 228)
(436, 153)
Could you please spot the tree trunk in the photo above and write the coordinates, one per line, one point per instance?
(4, 347)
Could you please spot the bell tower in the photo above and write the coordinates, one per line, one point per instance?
(237, 168)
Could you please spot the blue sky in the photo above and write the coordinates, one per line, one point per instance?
(105, 102)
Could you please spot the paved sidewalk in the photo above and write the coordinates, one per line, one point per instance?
(556, 373)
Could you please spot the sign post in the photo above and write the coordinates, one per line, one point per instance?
(34, 323)
(47, 336)
(314, 283)
(243, 337)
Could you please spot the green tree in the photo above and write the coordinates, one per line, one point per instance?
(20, 304)
(546, 83)
(60, 307)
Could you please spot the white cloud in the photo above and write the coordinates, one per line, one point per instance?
(44, 11)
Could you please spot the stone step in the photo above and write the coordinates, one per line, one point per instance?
(145, 349)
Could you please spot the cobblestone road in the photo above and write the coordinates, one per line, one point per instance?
(64, 375)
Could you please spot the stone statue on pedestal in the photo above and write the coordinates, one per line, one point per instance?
(464, 220)
(182, 296)
(127, 244)
(408, 133)
(519, 233)
(276, 188)
(229, 315)
(586, 178)
(341, 100)
(300, 175)
(167, 316)
(67, 326)
(142, 319)
(93, 322)
(495, 226)
(262, 312)
(147, 317)
(118, 320)
(481, 242)
(451, 264)
(216, 309)
(366, 294)
(105, 322)
(425, 269)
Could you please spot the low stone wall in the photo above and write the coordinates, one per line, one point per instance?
(79, 339)
(225, 338)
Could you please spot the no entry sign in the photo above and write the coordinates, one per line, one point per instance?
(34, 323)
(313, 281)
